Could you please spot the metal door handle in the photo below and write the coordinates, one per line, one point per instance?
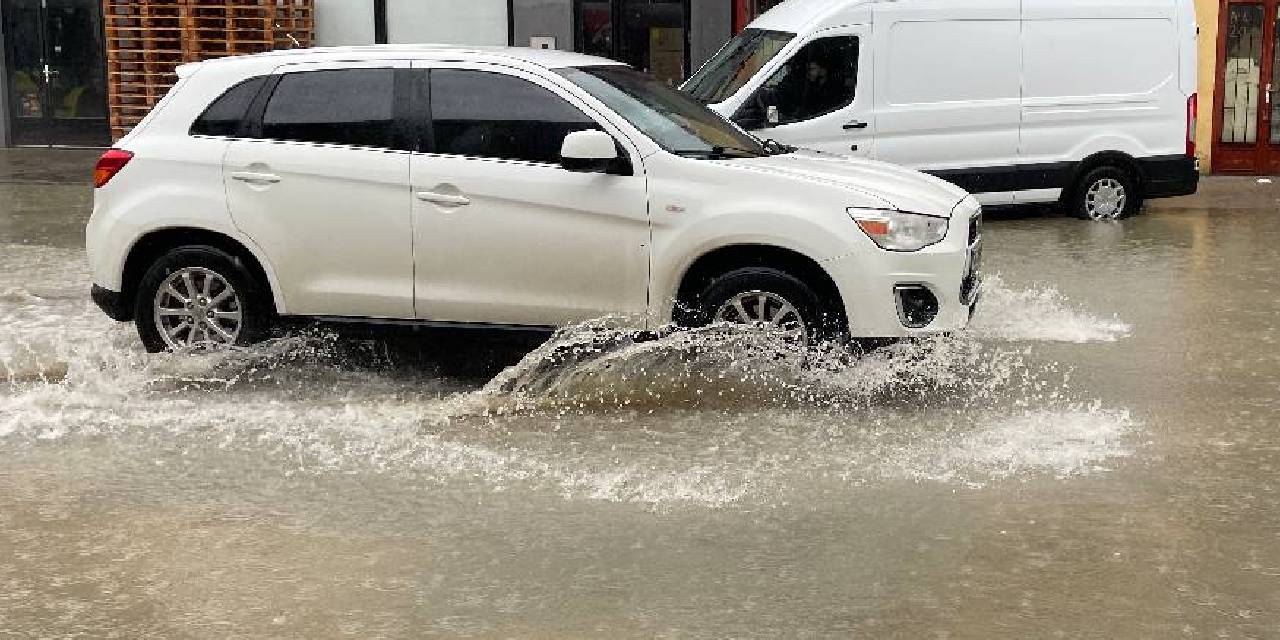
(251, 177)
(856, 124)
(443, 199)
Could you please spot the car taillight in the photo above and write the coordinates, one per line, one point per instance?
(109, 165)
(1193, 114)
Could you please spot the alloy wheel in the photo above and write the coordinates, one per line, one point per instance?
(196, 308)
(768, 311)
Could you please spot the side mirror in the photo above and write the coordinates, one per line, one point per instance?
(589, 151)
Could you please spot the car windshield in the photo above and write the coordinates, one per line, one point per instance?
(670, 118)
(735, 64)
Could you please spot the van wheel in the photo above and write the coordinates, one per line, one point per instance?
(199, 298)
(1105, 193)
(765, 297)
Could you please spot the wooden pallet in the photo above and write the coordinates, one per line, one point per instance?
(146, 40)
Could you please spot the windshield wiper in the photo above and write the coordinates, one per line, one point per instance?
(718, 153)
(775, 148)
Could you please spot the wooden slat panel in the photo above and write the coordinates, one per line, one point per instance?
(147, 39)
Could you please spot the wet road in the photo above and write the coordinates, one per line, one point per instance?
(1097, 458)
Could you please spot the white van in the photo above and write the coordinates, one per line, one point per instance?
(1087, 102)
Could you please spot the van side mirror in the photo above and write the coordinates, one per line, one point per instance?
(589, 151)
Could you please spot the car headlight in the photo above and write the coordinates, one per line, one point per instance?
(899, 230)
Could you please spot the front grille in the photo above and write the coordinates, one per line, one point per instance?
(970, 286)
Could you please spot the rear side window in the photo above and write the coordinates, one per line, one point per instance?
(490, 115)
(225, 115)
(341, 106)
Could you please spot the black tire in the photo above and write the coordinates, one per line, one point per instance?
(820, 321)
(1079, 202)
(256, 311)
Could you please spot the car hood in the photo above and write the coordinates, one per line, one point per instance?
(893, 186)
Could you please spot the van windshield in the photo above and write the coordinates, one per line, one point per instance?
(735, 64)
(673, 120)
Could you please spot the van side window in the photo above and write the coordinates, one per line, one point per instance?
(491, 115)
(341, 106)
(819, 79)
(225, 115)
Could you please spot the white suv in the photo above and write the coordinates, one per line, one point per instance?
(512, 187)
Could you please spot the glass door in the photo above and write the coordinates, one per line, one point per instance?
(57, 85)
(650, 35)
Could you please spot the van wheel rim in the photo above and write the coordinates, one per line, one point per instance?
(768, 311)
(1106, 199)
(196, 308)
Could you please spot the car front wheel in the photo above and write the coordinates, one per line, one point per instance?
(199, 298)
(769, 299)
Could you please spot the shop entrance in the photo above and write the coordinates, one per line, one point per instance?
(57, 85)
(650, 35)
(1246, 121)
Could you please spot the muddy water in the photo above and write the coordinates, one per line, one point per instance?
(1096, 458)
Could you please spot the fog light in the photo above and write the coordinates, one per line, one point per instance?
(917, 306)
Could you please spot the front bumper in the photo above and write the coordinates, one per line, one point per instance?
(111, 303)
(951, 271)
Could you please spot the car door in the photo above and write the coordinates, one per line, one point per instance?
(820, 97)
(502, 233)
(323, 188)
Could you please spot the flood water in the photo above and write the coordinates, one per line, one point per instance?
(1097, 458)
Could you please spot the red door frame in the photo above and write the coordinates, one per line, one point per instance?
(741, 15)
(1261, 157)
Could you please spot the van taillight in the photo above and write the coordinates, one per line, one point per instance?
(1193, 114)
(109, 165)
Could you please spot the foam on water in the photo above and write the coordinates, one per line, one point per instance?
(710, 417)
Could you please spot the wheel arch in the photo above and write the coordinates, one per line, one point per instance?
(697, 276)
(1113, 158)
(155, 243)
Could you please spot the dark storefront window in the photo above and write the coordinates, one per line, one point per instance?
(650, 35)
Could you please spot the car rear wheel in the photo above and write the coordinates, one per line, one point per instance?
(199, 298)
(768, 299)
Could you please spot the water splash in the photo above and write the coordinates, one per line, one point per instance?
(1039, 314)
(710, 417)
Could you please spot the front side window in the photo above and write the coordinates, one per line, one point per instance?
(735, 64)
(672, 119)
(340, 106)
(492, 115)
(821, 78)
(225, 115)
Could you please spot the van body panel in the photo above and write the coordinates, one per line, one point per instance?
(1006, 98)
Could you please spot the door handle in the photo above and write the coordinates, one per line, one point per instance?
(444, 199)
(856, 124)
(255, 178)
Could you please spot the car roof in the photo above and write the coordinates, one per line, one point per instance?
(546, 58)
